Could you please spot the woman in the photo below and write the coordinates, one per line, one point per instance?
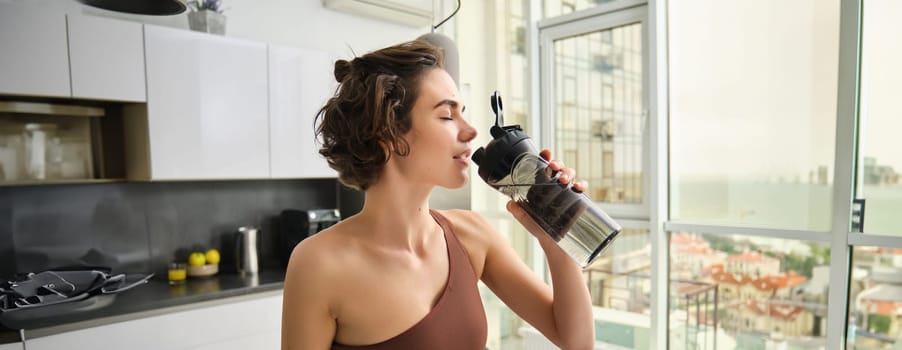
(398, 275)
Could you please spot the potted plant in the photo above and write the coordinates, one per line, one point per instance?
(206, 16)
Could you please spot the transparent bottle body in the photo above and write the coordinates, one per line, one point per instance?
(570, 218)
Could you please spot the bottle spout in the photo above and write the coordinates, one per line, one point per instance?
(478, 156)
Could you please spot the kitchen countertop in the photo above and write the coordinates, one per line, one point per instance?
(154, 298)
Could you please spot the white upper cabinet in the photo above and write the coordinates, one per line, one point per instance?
(106, 58)
(300, 82)
(207, 106)
(33, 53)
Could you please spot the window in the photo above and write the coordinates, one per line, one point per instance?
(755, 104)
(620, 288)
(880, 163)
(753, 91)
(753, 110)
(875, 298)
(735, 291)
(600, 109)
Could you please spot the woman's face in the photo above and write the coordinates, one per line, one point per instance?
(439, 136)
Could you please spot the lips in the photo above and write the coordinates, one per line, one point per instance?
(463, 156)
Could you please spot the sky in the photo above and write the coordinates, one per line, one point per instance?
(738, 93)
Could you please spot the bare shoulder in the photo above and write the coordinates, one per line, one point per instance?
(468, 224)
(318, 260)
(477, 234)
(308, 256)
(309, 315)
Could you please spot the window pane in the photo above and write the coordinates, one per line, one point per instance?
(741, 292)
(880, 176)
(620, 287)
(875, 310)
(753, 89)
(598, 96)
(509, 44)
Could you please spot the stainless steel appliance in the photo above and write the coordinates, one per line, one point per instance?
(297, 225)
(246, 250)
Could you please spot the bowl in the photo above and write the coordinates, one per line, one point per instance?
(203, 270)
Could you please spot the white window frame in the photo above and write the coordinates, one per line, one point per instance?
(583, 22)
(840, 238)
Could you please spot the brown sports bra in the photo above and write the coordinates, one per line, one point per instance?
(457, 321)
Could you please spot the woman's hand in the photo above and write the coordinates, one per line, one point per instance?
(565, 316)
(568, 173)
(567, 176)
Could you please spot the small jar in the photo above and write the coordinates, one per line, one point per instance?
(177, 273)
(38, 141)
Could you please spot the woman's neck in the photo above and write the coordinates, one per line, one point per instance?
(398, 215)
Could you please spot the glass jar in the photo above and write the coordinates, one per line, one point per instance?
(38, 143)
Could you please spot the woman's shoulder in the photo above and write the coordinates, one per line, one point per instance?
(322, 256)
(460, 215)
(465, 220)
(471, 227)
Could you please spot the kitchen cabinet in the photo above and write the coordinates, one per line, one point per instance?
(254, 322)
(35, 60)
(11, 346)
(106, 57)
(300, 82)
(207, 108)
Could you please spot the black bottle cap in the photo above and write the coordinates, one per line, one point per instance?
(496, 159)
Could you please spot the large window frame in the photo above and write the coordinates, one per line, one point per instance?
(841, 238)
(652, 213)
(584, 22)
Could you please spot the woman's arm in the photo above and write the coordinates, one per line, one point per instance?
(571, 306)
(307, 321)
(562, 313)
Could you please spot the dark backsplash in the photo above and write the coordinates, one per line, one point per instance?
(140, 227)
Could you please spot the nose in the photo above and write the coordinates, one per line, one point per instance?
(467, 131)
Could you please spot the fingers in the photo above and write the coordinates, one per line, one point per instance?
(555, 164)
(545, 154)
(580, 186)
(568, 174)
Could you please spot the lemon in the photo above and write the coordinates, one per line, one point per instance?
(212, 256)
(197, 259)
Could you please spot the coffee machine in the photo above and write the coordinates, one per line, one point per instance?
(296, 225)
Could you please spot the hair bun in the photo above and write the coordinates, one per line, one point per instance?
(342, 69)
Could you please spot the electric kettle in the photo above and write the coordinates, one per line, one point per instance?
(511, 164)
(246, 250)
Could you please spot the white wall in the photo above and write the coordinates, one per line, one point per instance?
(299, 23)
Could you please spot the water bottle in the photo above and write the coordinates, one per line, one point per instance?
(511, 164)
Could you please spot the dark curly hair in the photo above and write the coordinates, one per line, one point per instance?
(370, 111)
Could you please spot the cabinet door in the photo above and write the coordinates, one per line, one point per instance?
(11, 346)
(206, 106)
(107, 58)
(34, 59)
(300, 82)
(247, 324)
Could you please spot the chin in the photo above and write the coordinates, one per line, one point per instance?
(458, 183)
